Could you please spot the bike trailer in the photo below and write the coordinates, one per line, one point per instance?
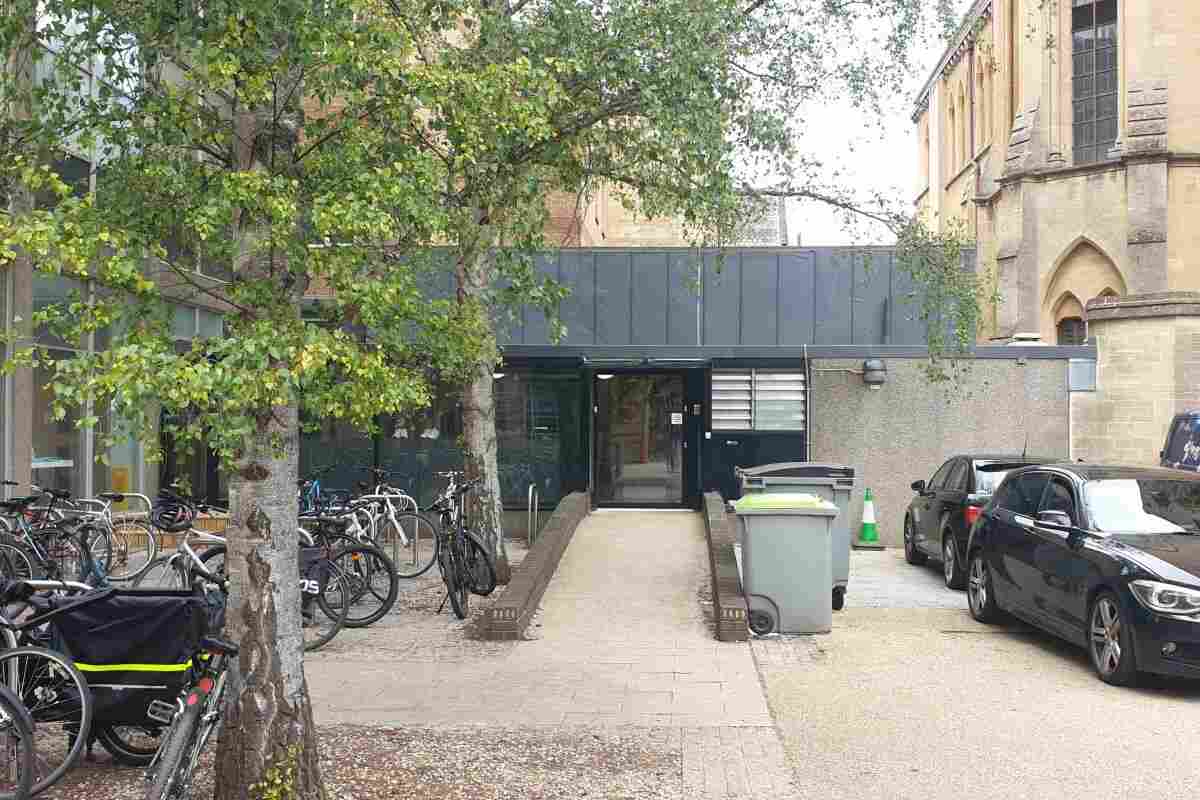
(134, 647)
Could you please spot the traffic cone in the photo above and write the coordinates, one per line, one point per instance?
(868, 538)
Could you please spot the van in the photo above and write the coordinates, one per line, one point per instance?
(1181, 450)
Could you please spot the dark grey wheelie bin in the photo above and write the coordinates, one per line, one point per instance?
(786, 561)
(834, 482)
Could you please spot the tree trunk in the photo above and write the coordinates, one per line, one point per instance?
(479, 423)
(267, 738)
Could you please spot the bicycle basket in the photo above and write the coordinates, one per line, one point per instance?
(133, 647)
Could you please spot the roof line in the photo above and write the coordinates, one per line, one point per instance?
(962, 35)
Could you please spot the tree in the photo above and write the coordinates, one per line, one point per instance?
(688, 108)
(222, 176)
(247, 151)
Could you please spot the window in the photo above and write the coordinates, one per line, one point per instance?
(1071, 330)
(957, 482)
(939, 478)
(952, 139)
(760, 400)
(1142, 505)
(986, 481)
(1059, 497)
(1094, 82)
(1023, 495)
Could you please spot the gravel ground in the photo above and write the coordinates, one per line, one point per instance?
(366, 763)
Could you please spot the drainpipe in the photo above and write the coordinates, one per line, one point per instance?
(971, 81)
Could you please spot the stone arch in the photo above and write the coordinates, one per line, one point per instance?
(1083, 270)
(1067, 305)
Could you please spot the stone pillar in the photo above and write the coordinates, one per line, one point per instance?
(1148, 370)
(24, 392)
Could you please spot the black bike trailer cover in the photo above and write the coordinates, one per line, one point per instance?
(133, 647)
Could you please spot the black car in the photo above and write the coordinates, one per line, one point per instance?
(1181, 450)
(1105, 557)
(939, 518)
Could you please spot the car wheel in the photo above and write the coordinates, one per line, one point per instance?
(952, 568)
(980, 598)
(1110, 642)
(911, 554)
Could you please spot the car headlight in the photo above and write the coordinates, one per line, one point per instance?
(1166, 598)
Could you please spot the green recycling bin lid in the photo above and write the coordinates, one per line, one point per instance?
(786, 503)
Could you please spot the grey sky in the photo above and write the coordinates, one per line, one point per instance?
(876, 156)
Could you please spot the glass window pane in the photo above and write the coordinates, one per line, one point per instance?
(1106, 130)
(1106, 106)
(212, 324)
(1106, 59)
(732, 391)
(1084, 63)
(53, 290)
(1106, 12)
(183, 322)
(1083, 87)
(57, 444)
(778, 401)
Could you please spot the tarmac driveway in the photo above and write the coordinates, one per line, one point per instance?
(911, 698)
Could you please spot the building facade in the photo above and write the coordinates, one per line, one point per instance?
(1064, 139)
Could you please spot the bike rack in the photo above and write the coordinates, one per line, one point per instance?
(531, 517)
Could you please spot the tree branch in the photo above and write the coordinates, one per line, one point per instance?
(891, 221)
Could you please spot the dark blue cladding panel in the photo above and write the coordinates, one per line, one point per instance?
(578, 309)
(683, 310)
(872, 285)
(795, 299)
(722, 298)
(536, 329)
(831, 300)
(649, 300)
(760, 297)
(612, 298)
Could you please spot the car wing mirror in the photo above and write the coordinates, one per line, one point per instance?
(918, 487)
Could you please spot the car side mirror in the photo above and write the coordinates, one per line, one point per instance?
(1058, 519)
(918, 486)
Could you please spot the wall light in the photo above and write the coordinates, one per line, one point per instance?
(498, 375)
(605, 376)
(874, 372)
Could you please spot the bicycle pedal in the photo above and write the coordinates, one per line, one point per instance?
(161, 712)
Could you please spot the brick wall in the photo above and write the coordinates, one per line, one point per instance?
(509, 617)
(729, 605)
(1147, 370)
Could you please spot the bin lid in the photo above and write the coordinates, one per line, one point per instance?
(798, 469)
(802, 504)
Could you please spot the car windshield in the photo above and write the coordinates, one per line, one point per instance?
(987, 482)
(1143, 505)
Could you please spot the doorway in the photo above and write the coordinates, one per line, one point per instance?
(641, 440)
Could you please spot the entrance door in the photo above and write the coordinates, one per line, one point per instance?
(640, 439)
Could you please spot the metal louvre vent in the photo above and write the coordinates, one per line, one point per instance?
(732, 398)
(744, 400)
(779, 401)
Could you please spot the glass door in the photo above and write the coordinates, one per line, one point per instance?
(639, 445)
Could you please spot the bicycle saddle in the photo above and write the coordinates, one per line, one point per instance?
(61, 494)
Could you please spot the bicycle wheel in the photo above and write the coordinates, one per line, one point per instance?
(134, 548)
(480, 568)
(65, 559)
(16, 562)
(131, 745)
(16, 748)
(449, 563)
(372, 583)
(60, 704)
(172, 769)
(323, 614)
(410, 541)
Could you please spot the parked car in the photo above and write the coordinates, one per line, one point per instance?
(1105, 557)
(939, 518)
(1181, 450)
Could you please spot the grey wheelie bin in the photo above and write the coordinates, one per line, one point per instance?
(786, 561)
(834, 482)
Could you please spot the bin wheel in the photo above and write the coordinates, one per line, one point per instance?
(761, 623)
(839, 598)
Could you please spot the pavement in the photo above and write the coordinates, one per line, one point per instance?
(624, 693)
(623, 653)
(911, 698)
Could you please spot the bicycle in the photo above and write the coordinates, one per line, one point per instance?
(196, 716)
(408, 537)
(57, 551)
(463, 560)
(16, 747)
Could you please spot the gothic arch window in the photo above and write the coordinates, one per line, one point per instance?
(1094, 78)
(1072, 330)
(952, 139)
